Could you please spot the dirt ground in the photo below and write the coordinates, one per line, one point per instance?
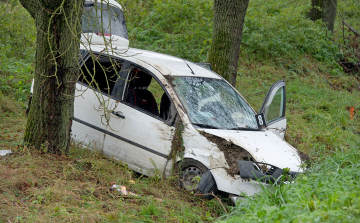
(232, 152)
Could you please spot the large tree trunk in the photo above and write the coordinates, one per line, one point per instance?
(325, 10)
(229, 16)
(56, 71)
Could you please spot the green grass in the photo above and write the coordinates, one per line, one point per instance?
(329, 192)
(317, 112)
(75, 188)
(279, 42)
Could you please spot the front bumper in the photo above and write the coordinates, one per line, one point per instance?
(273, 175)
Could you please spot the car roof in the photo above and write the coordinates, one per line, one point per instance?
(165, 64)
(110, 2)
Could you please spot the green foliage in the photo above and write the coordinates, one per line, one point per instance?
(272, 29)
(279, 41)
(349, 9)
(181, 28)
(17, 41)
(17, 33)
(330, 192)
(276, 29)
(317, 108)
(15, 78)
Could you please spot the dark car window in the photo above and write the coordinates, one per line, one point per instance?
(103, 19)
(145, 93)
(100, 74)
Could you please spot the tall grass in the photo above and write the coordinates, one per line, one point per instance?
(329, 192)
(36, 187)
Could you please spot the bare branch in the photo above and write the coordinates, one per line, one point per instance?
(351, 28)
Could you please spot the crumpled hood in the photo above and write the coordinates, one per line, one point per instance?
(263, 146)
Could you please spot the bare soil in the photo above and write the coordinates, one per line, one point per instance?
(304, 156)
(232, 152)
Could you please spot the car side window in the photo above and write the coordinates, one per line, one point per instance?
(145, 92)
(119, 87)
(100, 74)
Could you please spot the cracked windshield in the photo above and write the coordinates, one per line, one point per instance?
(212, 103)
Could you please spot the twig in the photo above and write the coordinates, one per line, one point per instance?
(351, 28)
(345, 23)
(219, 201)
(212, 193)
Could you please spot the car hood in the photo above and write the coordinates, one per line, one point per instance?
(263, 146)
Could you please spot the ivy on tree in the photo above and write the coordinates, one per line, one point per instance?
(58, 24)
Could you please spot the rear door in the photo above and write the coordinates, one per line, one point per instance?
(92, 94)
(273, 109)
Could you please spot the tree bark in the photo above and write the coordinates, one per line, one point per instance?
(325, 10)
(229, 16)
(56, 71)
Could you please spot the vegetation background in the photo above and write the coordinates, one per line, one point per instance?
(279, 42)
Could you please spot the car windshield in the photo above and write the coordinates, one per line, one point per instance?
(104, 19)
(213, 103)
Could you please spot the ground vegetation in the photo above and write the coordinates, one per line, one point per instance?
(279, 42)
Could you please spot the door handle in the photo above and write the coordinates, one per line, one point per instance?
(118, 114)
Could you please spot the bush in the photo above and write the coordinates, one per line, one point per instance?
(281, 29)
(181, 28)
(17, 46)
(17, 33)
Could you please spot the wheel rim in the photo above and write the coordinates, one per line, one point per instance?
(188, 176)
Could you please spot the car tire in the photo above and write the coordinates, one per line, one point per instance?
(188, 169)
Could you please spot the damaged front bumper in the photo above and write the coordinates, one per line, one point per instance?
(273, 174)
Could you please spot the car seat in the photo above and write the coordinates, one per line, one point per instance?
(138, 95)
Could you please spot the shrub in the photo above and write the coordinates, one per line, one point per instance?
(281, 29)
(181, 28)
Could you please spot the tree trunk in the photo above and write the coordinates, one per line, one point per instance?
(229, 16)
(56, 72)
(325, 10)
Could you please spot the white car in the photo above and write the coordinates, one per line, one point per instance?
(166, 112)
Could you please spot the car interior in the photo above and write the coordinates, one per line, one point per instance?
(141, 90)
(103, 73)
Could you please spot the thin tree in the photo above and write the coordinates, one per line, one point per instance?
(56, 72)
(229, 16)
(325, 10)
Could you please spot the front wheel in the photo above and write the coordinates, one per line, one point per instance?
(196, 177)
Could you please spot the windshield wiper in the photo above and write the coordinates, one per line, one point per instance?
(243, 128)
(205, 126)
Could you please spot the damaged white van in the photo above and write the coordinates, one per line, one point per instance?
(166, 112)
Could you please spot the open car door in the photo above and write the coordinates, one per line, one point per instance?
(273, 109)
